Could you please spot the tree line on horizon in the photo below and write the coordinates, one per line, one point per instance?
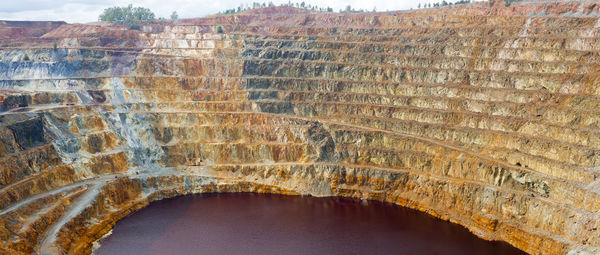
(443, 3)
(446, 3)
(131, 16)
(126, 15)
(256, 5)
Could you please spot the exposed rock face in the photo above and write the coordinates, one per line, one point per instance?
(483, 115)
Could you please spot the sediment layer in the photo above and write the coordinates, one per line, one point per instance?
(484, 115)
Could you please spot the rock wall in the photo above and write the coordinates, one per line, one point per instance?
(481, 114)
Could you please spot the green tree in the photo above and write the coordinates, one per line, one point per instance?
(126, 15)
(174, 15)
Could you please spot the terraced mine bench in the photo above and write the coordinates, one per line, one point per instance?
(486, 116)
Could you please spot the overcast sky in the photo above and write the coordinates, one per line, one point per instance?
(88, 10)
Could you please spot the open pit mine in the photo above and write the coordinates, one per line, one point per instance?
(486, 115)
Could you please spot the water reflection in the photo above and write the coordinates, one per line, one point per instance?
(248, 223)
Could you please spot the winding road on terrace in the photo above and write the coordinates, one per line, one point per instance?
(481, 114)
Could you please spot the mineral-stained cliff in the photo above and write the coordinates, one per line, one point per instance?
(485, 115)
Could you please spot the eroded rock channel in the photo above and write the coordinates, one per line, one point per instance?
(483, 115)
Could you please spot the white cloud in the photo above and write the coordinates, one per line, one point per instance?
(88, 10)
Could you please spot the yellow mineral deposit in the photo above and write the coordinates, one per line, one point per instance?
(482, 114)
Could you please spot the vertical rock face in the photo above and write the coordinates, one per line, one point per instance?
(482, 115)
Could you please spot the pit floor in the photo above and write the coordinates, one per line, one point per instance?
(248, 223)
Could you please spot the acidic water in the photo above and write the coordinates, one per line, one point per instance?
(247, 223)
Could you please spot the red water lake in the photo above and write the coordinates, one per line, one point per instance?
(248, 223)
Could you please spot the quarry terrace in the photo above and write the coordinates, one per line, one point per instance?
(485, 115)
